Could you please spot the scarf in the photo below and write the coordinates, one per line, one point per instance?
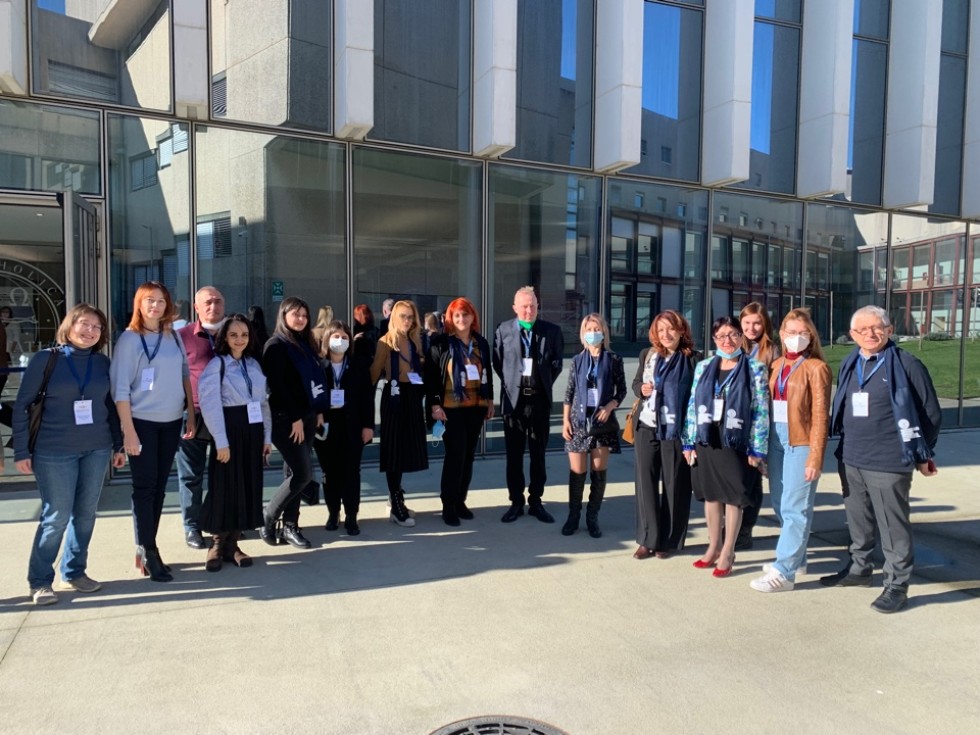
(459, 366)
(673, 385)
(582, 364)
(915, 450)
(416, 367)
(310, 371)
(736, 421)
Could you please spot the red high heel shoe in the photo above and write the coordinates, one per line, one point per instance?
(724, 571)
(702, 564)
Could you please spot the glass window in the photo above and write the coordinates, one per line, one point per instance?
(949, 135)
(554, 82)
(900, 269)
(956, 26)
(671, 114)
(921, 256)
(422, 98)
(115, 52)
(866, 139)
(275, 71)
(871, 18)
(788, 10)
(48, 148)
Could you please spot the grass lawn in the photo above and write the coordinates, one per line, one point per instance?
(941, 358)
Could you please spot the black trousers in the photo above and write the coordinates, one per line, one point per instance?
(750, 513)
(299, 459)
(463, 427)
(151, 470)
(340, 460)
(527, 427)
(662, 511)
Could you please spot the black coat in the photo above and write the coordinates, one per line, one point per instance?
(358, 408)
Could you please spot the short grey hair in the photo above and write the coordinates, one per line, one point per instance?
(871, 310)
(528, 290)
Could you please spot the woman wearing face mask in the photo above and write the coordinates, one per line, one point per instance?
(298, 400)
(757, 344)
(663, 381)
(800, 387)
(399, 359)
(459, 384)
(348, 427)
(596, 387)
(232, 392)
(726, 436)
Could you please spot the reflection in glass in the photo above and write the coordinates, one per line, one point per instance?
(949, 135)
(48, 148)
(554, 82)
(866, 139)
(871, 18)
(788, 10)
(111, 51)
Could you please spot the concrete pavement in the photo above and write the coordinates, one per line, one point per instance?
(401, 631)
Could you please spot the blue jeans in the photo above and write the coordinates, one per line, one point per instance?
(792, 499)
(192, 459)
(70, 486)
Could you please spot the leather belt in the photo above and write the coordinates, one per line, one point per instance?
(528, 391)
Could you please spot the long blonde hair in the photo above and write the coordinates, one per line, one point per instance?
(390, 338)
(814, 349)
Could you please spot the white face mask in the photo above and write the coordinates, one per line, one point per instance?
(338, 345)
(797, 344)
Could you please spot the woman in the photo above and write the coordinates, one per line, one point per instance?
(399, 360)
(596, 387)
(260, 332)
(348, 427)
(757, 343)
(800, 388)
(235, 409)
(12, 330)
(298, 401)
(323, 319)
(726, 437)
(459, 385)
(365, 332)
(663, 381)
(79, 435)
(151, 386)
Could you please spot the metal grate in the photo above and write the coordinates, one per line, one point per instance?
(498, 725)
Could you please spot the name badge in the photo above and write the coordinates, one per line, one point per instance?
(147, 378)
(254, 412)
(528, 366)
(337, 398)
(83, 412)
(859, 405)
(718, 410)
(593, 398)
(472, 373)
(780, 412)
(415, 379)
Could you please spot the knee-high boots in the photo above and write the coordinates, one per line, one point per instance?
(576, 488)
(596, 492)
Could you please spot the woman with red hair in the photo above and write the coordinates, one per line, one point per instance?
(365, 333)
(459, 384)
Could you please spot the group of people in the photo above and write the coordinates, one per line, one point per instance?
(217, 397)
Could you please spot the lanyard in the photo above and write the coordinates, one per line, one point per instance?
(248, 380)
(592, 375)
(469, 349)
(337, 376)
(755, 349)
(88, 373)
(780, 383)
(719, 389)
(526, 340)
(862, 361)
(156, 349)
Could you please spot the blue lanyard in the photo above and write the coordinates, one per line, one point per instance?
(88, 373)
(146, 350)
(720, 388)
(780, 383)
(862, 361)
(755, 349)
(526, 339)
(337, 377)
(248, 380)
(592, 375)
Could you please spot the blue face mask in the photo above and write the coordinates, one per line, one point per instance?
(593, 339)
(729, 355)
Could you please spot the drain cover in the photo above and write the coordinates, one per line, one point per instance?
(498, 725)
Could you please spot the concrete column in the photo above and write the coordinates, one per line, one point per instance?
(191, 83)
(970, 202)
(728, 40)
(618, 84)
(353, 61)
(825, 84)
(913, 102)
(13, 46)
(495, 77)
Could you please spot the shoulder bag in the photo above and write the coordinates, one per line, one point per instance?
(628, 436)
(36, 407)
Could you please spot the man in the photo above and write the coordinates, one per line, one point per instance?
(887, 414)
(386, 307)
(527, 357)
(192, 454)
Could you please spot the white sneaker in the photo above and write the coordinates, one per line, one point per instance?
(43, 596)
(772, 581)
(83, 583)
(768, 567)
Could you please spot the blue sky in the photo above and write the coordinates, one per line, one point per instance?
(57, 6)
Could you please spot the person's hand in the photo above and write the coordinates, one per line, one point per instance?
(319, 420)
(603, 414)
(24, 466)
(646, 390)
(223, 455)
(755, 461)
(566, 430)
(191, 426)
(691, 456)
(489, 412)
(118, 460)
(297, 434)
(367, 436)
(438, 414)
(266, 453)
(928, 469)
(131, 443)
(810, 474)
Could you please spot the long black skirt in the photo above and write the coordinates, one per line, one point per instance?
(234, 499)
(403, 429)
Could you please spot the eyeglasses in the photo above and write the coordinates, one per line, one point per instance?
(408, 317)
(797, 334)
(865, 331)
(89, 325)
(728, 337)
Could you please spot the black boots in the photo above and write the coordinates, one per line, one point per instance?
(596, 492)
(400, 514)
(216, 553)
(576, 487)
(152, 566)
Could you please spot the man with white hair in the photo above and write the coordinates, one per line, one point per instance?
(887, 415)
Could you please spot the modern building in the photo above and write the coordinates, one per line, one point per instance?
(623, 156)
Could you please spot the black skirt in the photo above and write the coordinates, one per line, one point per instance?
(403, 429)
(234, 499)
(721, 474)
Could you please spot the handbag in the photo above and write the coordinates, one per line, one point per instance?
(36, 407)
(607, 427)
(628, 435)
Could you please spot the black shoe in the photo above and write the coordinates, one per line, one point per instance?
(844, 578)
(537, 510)
(194, 539)
(153, 566)
(743, 542)
(463, 512)
(294, 537)
(333, 521)
(593, 525)
(515, 511)
(350, 525)
(449, 516)
(890, 601)
(269, 532)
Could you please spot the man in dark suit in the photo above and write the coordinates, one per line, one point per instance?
(527, 357)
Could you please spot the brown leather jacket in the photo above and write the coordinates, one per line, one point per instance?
(808, 395)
